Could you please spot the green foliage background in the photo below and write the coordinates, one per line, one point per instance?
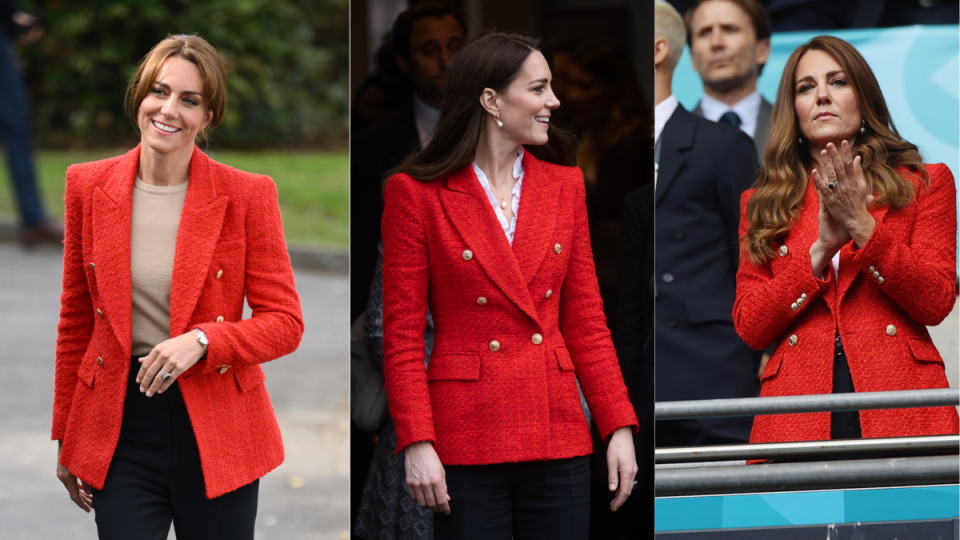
(287, 64)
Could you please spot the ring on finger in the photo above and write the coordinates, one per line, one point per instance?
(164, 376)
(832, 185)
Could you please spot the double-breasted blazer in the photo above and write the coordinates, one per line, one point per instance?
(230, 243)
(888, 292)
(515, 327)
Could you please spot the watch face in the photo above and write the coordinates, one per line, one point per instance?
(202, 338)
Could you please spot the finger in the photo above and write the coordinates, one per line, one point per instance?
(145, 363)
(420, 496)
(158, 381)
(612, 474)
(443, 499)
(830, 171)
(618, 501)
(71, 484)
(165, 384)
(431, 497)
(411, 492)
(819, 183)
(846, 156)
(837, 162)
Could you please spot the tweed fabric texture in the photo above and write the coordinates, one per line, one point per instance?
(229, 244)
(480, 403)
(913, 250)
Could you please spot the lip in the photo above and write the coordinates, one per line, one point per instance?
(162, 132)
(824, 115)
(544, 124)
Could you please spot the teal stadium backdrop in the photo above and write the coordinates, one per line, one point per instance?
(918, 68)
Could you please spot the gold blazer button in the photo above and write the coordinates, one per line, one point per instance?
(220, 318)
(549, 293)
(99, 314)
(467, 254)
(784, 250)
(93, 266)
(537, 339)
(494, 345)
(482, 301)
(793, 340)
(891, 330)
(100, 361)
(219, 274)
(557, 248)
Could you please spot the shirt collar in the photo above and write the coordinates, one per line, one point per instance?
(747, 109)
(662, 112)
(426, 117)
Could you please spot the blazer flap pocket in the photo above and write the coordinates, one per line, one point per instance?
(701, 311)
(773, 365)
(924, 351)
(249, 377)
(88, 371)
(454, 367)
(228, 246)
(563, 356)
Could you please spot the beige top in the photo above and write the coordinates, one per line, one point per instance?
(153, 244)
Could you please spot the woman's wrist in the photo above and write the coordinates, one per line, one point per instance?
(820, 256)
(861, 229)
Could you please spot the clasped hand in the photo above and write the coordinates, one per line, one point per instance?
(173, 356)
(845, 209)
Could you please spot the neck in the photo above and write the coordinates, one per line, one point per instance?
(171, 169)
(495, 156)
(662, 85)
(731, 96)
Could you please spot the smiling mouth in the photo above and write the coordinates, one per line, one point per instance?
(164, 127)
(544, 119)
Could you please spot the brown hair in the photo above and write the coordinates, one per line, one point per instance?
(194, 49)
(493, 61)
(755, 11)
(774, 207)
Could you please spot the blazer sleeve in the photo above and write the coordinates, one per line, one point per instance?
(762, 310)
(405, 286)
(75, 328)
(276, 325)
(919, 272)
(584, 330)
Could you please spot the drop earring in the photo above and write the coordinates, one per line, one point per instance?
(497, 118)
(863, 126)
(799, 140)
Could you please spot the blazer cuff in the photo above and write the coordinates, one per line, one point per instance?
(408, 436)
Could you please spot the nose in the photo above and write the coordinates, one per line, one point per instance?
(823, 98)
(552, 101)
(716, 39)
(445, 56)
(169, 108)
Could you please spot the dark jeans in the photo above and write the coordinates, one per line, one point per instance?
(843, 424)
(547, 500)
(155, 478)
(15, 132)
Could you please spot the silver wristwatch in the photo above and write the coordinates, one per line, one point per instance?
(202, 339)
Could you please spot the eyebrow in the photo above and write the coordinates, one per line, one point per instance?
(829, 74)
(167, 86)
(540, 81)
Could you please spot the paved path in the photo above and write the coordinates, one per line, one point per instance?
(306, 498)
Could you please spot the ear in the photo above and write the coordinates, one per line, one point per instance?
(402, 62)
(661, 52)
(763, 51)
(207, 119)
(490, 101)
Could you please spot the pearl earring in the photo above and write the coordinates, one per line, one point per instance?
(800, 140)
(497, 118)
(863, 128)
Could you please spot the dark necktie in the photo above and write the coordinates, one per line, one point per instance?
(730, 118)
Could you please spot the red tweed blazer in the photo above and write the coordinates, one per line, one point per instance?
(888, 292)
(515, 327)
(230, 222)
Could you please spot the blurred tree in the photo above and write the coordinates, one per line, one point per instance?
(287, 63)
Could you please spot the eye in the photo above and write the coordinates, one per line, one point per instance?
(838, 82)
(191, 101)
(157, 91)
(539, 89)
(804, 88)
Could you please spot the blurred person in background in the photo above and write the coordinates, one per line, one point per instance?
(729, 44)
(610, 116)
(426, 38)
(35, 226)
(848, 253)
(512, 289)
(702, 169)
(160, 408)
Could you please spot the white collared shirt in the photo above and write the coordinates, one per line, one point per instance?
(747, 109)
(661, 114)
(426, 118)
(508, 228)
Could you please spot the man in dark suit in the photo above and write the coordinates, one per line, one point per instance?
(426, 38)
(702, 168)
(729, 44)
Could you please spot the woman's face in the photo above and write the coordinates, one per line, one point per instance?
(174, 111)
(825, 102)
(525, 106)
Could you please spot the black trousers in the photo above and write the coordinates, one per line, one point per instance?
(155, 478)
(523, 501)
(843, 424)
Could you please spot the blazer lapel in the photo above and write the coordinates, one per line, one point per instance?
(536, 217)
(112, 205)
(200, 224)
(469, 211)
(677, 138)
